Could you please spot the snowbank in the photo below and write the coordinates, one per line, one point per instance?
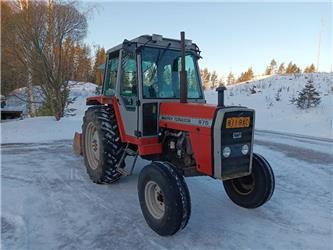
(43, 129)
(281, 115)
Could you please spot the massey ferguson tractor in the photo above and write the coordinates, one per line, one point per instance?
(153, 106)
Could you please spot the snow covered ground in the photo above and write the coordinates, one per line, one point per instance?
(49, 202)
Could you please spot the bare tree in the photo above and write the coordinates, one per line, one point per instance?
(40, 44)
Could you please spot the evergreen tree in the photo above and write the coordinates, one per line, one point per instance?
(289, 69)
(249, 74)
(246, 76)
(282, 69)
(310, 69)
(230, 79)
(213, 80)
(271, 69)
(82, 63)
(221, 82)
(205, 76)
(296, 69)
(273, 66)
(292, 69)
(100, 58)
(268, 71)
(308, 97)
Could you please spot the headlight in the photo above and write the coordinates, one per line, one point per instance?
(226, 152)
(245, 149)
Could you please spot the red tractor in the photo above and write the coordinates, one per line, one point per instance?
(153, 106)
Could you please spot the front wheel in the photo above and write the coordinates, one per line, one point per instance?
(164, 198)
(255, 189)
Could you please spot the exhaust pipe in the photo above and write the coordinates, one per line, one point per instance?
(183, 75)
(220, 96)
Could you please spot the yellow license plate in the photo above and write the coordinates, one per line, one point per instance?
(238, 122)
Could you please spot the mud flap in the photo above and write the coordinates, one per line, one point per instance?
(77, 148)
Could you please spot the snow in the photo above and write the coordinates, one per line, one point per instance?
(49, 202)
(43, 129)
(282, 115)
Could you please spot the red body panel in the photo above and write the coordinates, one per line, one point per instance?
(200, 136)
(195, 110)
(97, 100)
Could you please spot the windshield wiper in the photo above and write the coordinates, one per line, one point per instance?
(160, 55)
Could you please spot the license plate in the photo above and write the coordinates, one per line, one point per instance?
(238, 122)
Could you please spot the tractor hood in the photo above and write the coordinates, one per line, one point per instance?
(191, 115)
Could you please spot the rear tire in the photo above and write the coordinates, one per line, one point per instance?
(164, 198)
(101, 144)
(254, 190)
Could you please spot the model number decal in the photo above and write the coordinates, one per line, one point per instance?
(187, 120)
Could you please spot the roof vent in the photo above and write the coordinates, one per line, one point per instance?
(156, 37)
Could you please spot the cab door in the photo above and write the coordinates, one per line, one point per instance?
(128, 91)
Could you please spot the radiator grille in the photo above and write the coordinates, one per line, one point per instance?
(236, 164)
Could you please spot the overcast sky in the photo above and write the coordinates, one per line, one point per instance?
(232, 36)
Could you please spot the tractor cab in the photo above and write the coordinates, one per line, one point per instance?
(142, 73)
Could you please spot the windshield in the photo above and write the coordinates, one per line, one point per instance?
(161, 73)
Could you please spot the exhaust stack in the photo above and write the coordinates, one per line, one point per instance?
(183, 75)
(220, 96)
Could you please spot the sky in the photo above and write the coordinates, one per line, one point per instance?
(231, 36)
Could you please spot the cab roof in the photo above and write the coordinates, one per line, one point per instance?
(157, 41)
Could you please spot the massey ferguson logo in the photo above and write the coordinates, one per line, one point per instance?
(187, 120)
(237, 135)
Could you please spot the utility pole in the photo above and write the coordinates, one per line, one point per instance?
(319, 42)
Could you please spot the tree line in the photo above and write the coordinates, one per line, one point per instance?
(211, 80)
(42, 44)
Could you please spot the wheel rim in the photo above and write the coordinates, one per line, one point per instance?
(154, 199)
(244, 185)
(92, 145)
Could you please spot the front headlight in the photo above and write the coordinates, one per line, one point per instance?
(245, 149)
(226, 152)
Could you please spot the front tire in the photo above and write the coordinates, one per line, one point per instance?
(254, 190)
(164, 198)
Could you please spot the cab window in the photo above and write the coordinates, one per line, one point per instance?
(111, 75)
(128, 79)
(161, 74)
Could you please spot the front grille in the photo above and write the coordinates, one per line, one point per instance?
(236, 164)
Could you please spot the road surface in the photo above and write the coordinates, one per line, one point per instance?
(48, 202)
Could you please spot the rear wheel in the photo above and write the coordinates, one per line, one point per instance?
(164, 198)
(255, 189)
(101, 145)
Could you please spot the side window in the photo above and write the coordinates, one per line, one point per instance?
(149, 69)
(128, 85)
(194, 89)
(111, 75)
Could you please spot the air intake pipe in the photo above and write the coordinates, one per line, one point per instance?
(220, 96)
